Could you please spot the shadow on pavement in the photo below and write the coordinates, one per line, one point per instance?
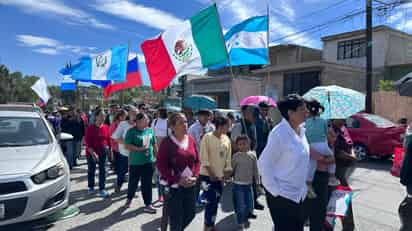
(105, 223)
(228, 223)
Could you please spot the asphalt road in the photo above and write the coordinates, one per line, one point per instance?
(375, 203)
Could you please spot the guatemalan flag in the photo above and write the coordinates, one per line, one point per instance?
(67, 84)
(133, 79)
(109, 65)
(247, 43)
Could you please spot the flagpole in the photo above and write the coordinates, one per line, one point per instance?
(267, 40)
(227, 56)
(127, 63)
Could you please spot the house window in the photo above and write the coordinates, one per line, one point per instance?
(351, 49)
(300, 83)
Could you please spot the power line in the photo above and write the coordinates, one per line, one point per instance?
(342, 18)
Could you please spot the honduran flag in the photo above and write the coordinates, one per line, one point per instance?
(185, 48)
(109, 65)
(133, 79)
(67, 84)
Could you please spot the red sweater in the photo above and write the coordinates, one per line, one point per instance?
(97, 138)
(172, 160)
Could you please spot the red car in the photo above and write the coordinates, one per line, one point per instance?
(374, 135)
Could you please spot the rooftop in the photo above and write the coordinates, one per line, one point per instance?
(362, 32)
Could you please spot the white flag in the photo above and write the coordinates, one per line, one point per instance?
(40, 87)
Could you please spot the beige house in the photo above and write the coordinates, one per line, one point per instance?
(227, 91)
(296, 69)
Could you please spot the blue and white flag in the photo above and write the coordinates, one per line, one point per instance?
(247, 43)
(106, 66)
(67, 84)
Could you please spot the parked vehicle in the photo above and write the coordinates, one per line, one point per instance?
(34, 174)
(374, 135)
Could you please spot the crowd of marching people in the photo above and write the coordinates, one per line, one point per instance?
(294, 162)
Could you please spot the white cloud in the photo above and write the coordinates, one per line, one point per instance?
(47, 50)
(58, 9)
(148, 16)
(32, 41)
(50, 46)
(395, 17)
(287, 10)
(242, 9)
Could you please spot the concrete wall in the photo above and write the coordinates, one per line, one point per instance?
(392, 106)
(399, 49)
(343, 77)
(241, 88)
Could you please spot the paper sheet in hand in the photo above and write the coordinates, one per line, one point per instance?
(187, 173)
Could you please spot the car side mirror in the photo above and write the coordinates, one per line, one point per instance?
(65, 136)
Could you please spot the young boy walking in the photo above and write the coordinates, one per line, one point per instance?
(244, 164)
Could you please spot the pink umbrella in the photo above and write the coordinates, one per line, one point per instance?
(256, 99)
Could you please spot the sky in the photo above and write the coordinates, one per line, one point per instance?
(38, 37)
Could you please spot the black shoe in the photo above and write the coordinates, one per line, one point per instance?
(259, 206)
(252, 216)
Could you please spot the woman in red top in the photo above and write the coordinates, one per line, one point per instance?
(119, 117)
(178, 163)
(97, 148)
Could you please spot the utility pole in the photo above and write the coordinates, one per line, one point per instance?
(369, 56)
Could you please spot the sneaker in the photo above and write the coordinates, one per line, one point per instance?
(259, 206)
(128, 203)
(116, 189)
(91, 191)
(311, 192)
(150, 209)
(333, 181)
(104, 194)
(252, 216)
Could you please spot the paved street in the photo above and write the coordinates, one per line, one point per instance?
(377, 196)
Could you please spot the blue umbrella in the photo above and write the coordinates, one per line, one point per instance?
(339, 102)
(197, 102)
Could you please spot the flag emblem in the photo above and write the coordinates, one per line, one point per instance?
(183, 50)
(101, 60)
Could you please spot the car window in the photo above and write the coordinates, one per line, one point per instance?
(352, 123)
(15, 131)
(380, 122)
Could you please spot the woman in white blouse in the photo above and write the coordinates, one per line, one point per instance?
(284, 164)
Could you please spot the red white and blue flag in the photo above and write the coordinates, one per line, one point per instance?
(133, 79)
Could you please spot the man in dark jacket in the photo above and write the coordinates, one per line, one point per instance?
(72, 124)
(405, 208)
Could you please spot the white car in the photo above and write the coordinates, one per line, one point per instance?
(34, 174)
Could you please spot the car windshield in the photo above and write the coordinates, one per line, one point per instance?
(380, 122)
(19, 131)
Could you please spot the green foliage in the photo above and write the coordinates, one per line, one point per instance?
(386, 85)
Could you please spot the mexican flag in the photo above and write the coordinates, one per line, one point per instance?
(186, 48)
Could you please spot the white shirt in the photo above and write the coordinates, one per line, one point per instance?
(120, 133)
(159, 127)
(284, 163)
(197, 131)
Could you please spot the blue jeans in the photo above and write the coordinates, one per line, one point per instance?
(91, 170)
(122, 167)
(212, 194)
(409, 188)
(242, 202)
(70, 152)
